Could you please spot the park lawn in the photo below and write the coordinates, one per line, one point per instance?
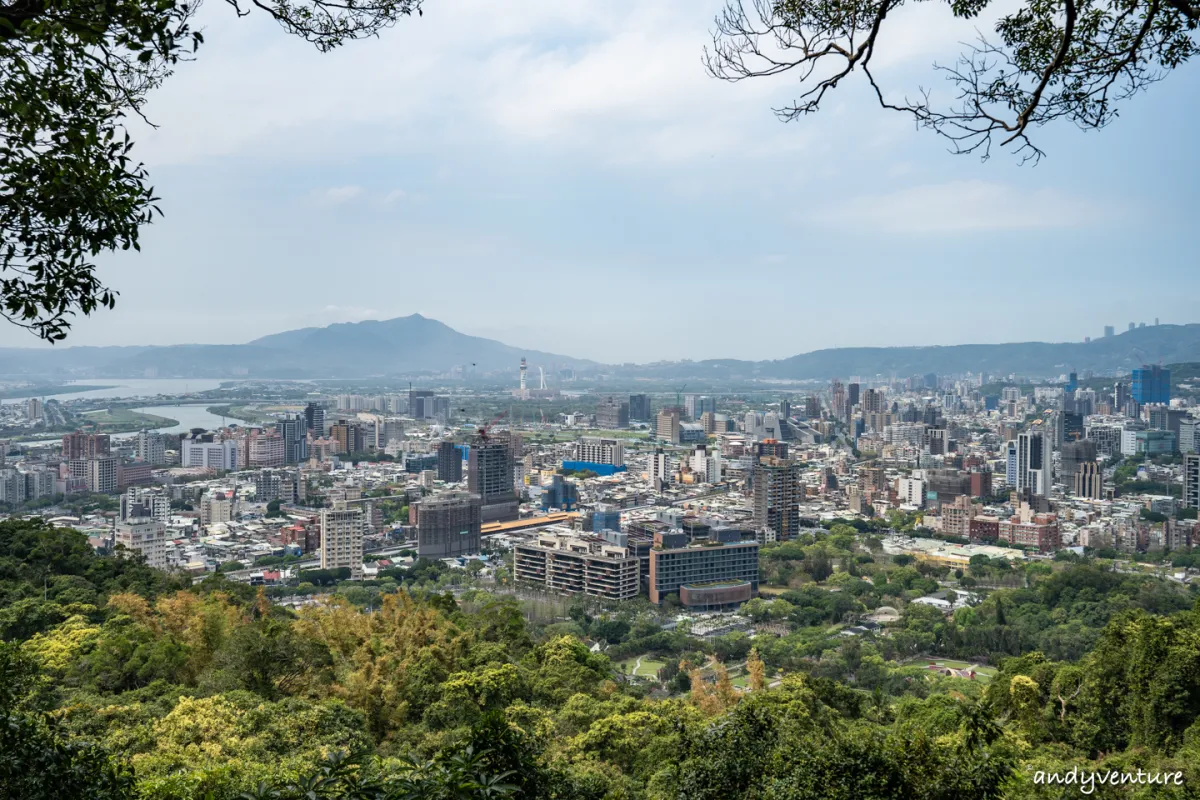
(648, 669)
(126, 419)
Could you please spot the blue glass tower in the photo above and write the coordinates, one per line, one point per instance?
(1151, 384)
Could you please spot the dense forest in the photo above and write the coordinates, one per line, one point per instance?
(120, 681)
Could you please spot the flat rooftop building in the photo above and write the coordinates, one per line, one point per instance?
(706, 575)
(578, 565)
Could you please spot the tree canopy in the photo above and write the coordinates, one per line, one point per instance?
(1047, 60)
(71, 73)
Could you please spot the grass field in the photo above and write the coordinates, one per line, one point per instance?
(250, 414)
(649, 667)
(981, 670)
(125, 419)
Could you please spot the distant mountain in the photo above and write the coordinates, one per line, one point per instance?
(416, 344)
(399, 346)
(1164, 344)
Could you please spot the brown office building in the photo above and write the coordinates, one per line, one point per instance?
(447, 524)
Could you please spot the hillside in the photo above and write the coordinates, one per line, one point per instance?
(417, 344)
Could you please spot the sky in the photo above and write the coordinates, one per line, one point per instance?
(563, 175)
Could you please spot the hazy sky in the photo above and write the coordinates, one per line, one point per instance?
(563, 175)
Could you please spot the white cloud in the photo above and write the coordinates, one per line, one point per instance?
(337, 195)
(960, 206)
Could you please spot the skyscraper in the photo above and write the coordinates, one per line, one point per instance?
(668, 425)
(84, 445)
(314, 419)
(448, 524)
(1191, 480)
(1089, 481)
(639, 407)
(1033, 461)
(151, 447)
(294, 430)
(1151, 384)
(660, 470)
(490, 475)
(777, 497)
(852, 395)
(1075, 454)
(612, 413)
(342, 532)
(449, 462)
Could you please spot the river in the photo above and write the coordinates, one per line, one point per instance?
(125, 388)
(189, 416)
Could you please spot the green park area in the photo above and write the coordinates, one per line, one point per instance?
(641, 666)
(117, 420)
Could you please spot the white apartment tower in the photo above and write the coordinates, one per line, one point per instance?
(144, 535)
(342, 532)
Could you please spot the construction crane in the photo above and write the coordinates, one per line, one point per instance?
(482, 430)
(679, 397)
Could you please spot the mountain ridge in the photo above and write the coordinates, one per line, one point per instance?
(420, 345)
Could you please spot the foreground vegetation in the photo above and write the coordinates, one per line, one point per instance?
(120, 681)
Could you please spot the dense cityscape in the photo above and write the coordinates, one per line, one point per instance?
(912, 538)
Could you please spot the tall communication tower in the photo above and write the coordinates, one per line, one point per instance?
(524, 369)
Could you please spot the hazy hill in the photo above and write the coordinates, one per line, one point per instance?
(417, 344)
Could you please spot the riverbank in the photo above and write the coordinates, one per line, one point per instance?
(125, 420)
(45, 390)
(248, 414)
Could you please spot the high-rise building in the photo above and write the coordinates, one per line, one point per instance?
(84, 445)
(448, 524)
(1189, 435)
(612, 413)
(99, 474)
(689, 406)
(137, 503)
(449, 462)
(777, 497)
(420, 403)
(639, 407)
(144, 535)
(490, 475)
(314, 419)
(1108, 331)
(342, 531)
(13, 486)
(197, 452)
(1191, 480)
(151, 447)
(1074, 455)
(596, 450)
(660, 470)
(668, 425)
(294, 431)
(216, 507)
(348, 437)
(1151, 384)
(1089, 481)
(40, 482)
(770, 448)
(264, 448)
(852, 394)
(1034, 462)
(837, 398)
(33, 409)
(874, 401)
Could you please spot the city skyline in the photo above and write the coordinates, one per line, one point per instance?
(479, 166)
